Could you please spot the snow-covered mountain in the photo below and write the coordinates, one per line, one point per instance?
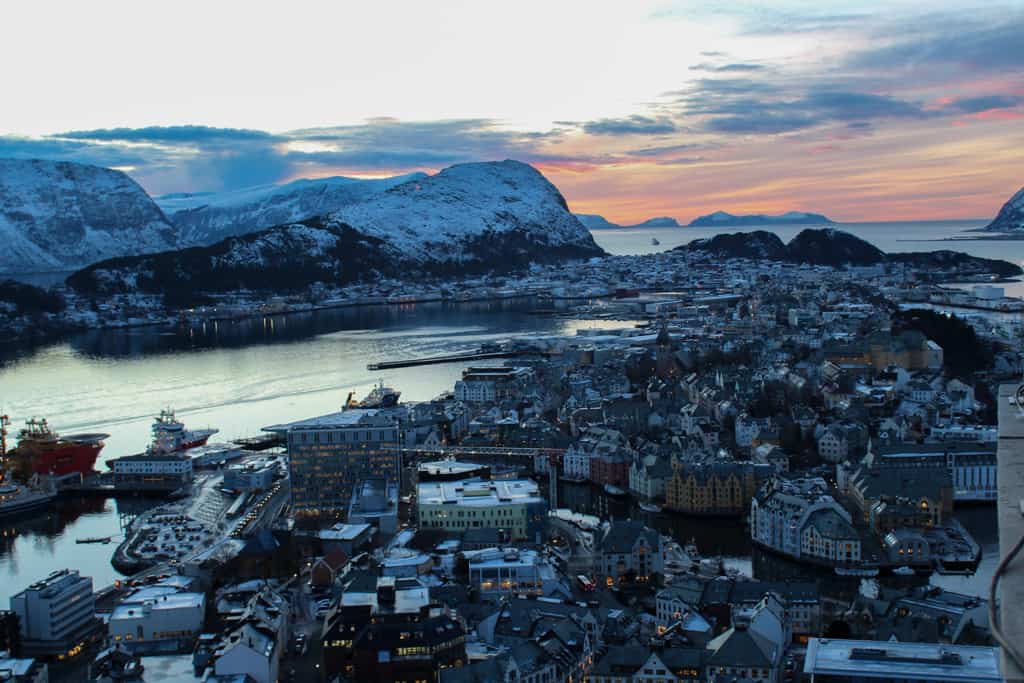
(722, 219)
(1010, 217)
(468, 218)
(595, 221)
(504, 209)
(60, 216)
(208, 217)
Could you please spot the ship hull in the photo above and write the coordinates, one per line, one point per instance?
(62, 459)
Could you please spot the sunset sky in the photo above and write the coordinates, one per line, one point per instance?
(890, 110)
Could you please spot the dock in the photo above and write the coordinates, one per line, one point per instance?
(436, 360)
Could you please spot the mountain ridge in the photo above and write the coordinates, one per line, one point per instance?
(725, 219)
(61, 215)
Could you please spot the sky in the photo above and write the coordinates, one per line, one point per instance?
(863, 111)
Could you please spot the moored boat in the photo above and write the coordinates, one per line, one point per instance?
(15, 499)
(43, 451)
(613, 490)
(649, 507)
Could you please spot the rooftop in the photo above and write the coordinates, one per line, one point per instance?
(478, 493)
(886, 660)
(344, 418)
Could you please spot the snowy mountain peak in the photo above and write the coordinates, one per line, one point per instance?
(1011, 215)
(62, 215)
(207, 217)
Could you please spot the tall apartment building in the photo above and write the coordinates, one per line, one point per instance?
(328, 455)
(57, 612)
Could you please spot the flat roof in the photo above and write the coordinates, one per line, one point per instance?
(174, 601)
(478, 492)
(887, 660)
(343, 418)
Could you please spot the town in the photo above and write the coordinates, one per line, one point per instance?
(521, 526)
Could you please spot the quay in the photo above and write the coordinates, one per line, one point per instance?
(436, 360)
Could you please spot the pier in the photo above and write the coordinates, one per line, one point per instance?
(436, 360)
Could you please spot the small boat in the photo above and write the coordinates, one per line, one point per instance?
(649, 507)
(904, 571)
(654, 241)
(94, 539)
(613, 490)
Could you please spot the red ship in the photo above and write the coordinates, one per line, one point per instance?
(44, 451)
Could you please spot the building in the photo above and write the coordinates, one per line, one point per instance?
(648, 477)
(329, 454)
(451, 470)
(396, 649)
(829, 536)
(873, 661)
(375, 502)
(388, 629)
(150, 617)
(153, 472)
(971, 463)
(14, 670)
(628, 550)
(496, 571)
(56, 613)
(889, 496)
(250, 650)
(514, 505)
(639, 664)
(254, 475)
(782, 511)
(720, 488)
(490, 384)
(752, 648)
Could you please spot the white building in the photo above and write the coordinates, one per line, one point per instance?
(152, 471)
(514, 505)
(576, 463)
(782, 511)
(972, 465)
(59, 609)
(512, 571)
(254, 475)
(171, 616)
(249, 650)
(489, 384)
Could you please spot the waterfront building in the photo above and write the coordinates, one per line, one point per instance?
(648, 476)
(327, 455)
(891, 496)
(887, 661)
(511, 571)
(167, 472)
(971, 463)
(782, 511)
(628, 549)
(828, 536)
(514, 506)
(55, 613)
(719, 488)
(491, 384)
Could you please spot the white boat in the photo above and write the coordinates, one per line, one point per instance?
(904, 571)
(613, 490)
(649, 507)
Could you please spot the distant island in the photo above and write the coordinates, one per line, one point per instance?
(724, 219)
(593, 221)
